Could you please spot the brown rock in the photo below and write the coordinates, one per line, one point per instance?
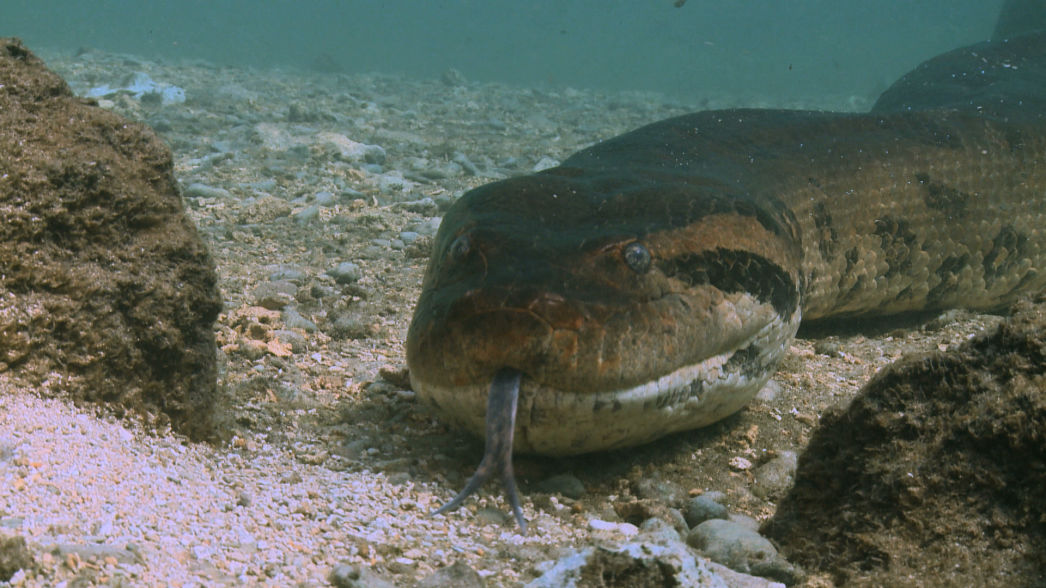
(935, 475)
(107, 293)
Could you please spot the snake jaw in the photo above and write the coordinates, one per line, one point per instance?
(497, 454)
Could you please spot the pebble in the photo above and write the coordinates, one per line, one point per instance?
(324, 198)
(95, 552)
(345, 272)
(466, 164)
(740, 549)
(294, 320)
(352, 151)
(624, 529)
(14, 556)
(274, 294)
(307, 214)
(456, 575)
(564, 485)
(286, 272)
(661, 490)
(544, 163)
(703, 508)
(292, 338)
(353, 576)
(649, 560)
(200, 190)
(427, 227)
(776, 476)
(143, 88)
(349, 326)
(265, 209)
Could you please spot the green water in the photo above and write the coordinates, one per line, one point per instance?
(781, 48)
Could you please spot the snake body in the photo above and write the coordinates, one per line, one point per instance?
(650, 283)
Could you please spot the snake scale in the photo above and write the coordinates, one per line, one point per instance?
(650, 283)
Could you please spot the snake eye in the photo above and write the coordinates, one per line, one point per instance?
(637, 257)
(459, 248)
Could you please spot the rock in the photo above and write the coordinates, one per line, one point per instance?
(285, 272)
(458, 575)
(934, 473)
(661, 490)
(453, 77)
(610, 528)
(274, 295)
(543, 164)
(465, 163)
(95, 552)
(353, 576)
(350, 150)
(702, 508)
(294, 320)
(307, 214)
(198, 190)
(740, 549)
(774, 477)
(645, 561)
(265, 209)
(143, 88)
(564, 485)
(14, 556)
(107, 283)
(292, 338)
(345, 272)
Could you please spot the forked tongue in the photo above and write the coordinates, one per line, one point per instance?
(497, 455)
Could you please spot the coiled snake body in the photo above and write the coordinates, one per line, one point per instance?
(650, 283)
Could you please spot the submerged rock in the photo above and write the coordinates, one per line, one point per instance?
(935, 474)
(107, 293)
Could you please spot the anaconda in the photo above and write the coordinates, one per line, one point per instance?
(650, 283)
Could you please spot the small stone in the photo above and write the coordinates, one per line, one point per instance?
(740, 464)
(285, 272)
(14, 556)
(351, 576)
(294, 320)
(624, 529)
(466, 164)
(345, 272)
(564, 485)
(324, 198)
(94, 552)
(775, 476)
(452, 78)
(292, 338)
(265, 209)
(274, 295)
(827, 347)
(457, 575)
(349, 326)
(660, 490)
(198, 190)
(739, 548)
(703, 508)
(307, 214)
(544, 163)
